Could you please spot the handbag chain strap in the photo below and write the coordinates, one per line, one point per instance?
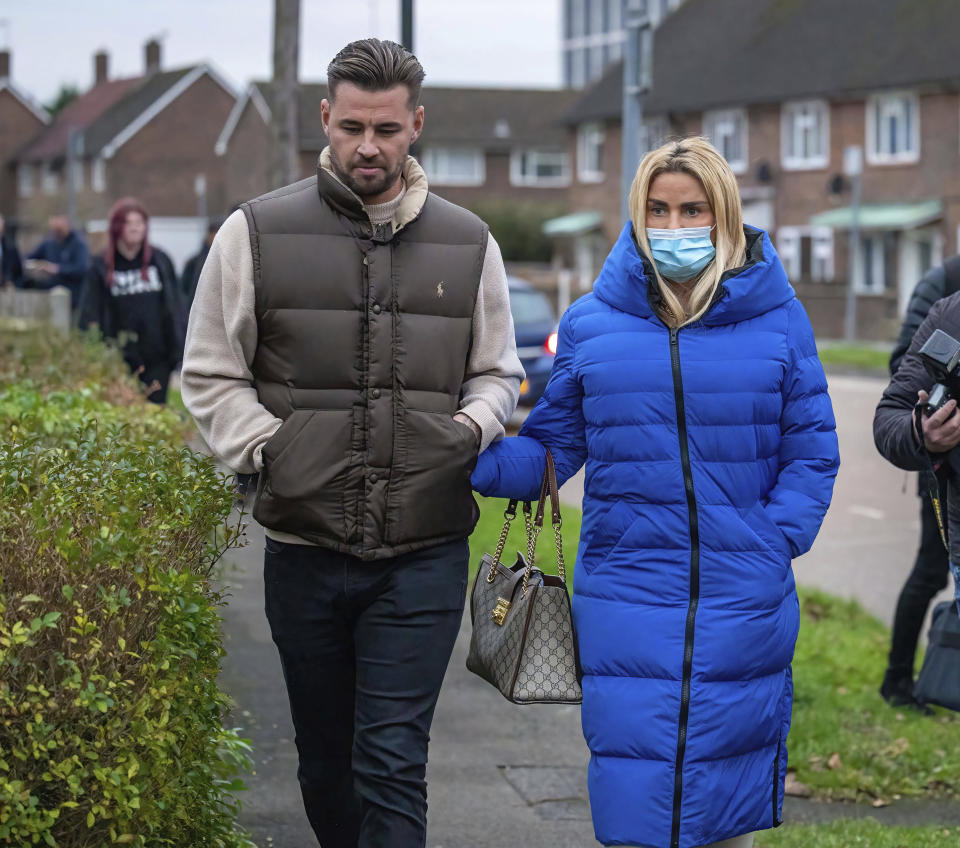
(547, 487)
(508, 515)
(533, 526)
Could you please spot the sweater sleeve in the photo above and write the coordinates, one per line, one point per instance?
(494, 373)
(809, 452)
(217, 380)
(513, 468)
(893, 422)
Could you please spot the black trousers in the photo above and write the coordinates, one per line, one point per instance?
(364, 647)
(929, 576)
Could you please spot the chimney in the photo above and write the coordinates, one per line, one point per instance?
(151, 52)
(100, 65)
(4, 64)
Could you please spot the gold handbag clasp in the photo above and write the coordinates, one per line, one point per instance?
(499, 614)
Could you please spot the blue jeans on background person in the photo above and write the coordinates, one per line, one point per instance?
(364, 647)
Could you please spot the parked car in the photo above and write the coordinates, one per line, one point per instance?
(535, 327)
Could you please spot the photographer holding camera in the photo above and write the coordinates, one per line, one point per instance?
(918, 433)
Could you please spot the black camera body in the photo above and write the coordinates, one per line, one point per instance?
(940, 355)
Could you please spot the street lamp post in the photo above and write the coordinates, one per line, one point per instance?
(637, 79)
(406, 24)
(852, 168)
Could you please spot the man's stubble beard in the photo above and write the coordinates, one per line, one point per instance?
(369, 189)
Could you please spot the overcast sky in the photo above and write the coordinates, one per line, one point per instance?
(460, 42)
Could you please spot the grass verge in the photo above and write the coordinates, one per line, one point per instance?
(861, 357)
(857, 833)
(846, 743)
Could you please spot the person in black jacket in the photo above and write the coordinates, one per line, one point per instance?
(132, 294)
(191, 271)
(896, 428)
(930, 569)
(11, 267)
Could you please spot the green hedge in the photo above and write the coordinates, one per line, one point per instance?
(111, 726)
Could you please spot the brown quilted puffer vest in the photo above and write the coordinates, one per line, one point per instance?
(364, 337)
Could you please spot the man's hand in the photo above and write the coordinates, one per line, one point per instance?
(941, 431)
(466, 419)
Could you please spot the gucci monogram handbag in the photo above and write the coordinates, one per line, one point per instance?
(523, 641)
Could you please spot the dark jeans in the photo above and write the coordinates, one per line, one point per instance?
(157, 376)
(364, 647)
(928, 577)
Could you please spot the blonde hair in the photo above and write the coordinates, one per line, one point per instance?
(701, 160)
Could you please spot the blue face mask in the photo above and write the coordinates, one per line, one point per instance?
(681, 254)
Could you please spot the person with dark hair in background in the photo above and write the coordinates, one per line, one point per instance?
(11, 267)
(131, 294)
(191, 271)
(359, 360)
(60, 260)
(931, 568)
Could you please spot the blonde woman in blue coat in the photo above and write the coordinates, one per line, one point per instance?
(688, 382)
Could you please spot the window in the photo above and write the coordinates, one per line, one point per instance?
(578, 18)
(590, 140)
(807, 253)
(25, 180)
(805, 135)
(614, 15)
(876, 263)
(98, 175)
(454, 166)
(653, 133)
(543, 168)
(893, 128)
(727, 130)
(596, 17)
(51, 181)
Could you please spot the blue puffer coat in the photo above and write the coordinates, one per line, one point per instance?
(710, 459)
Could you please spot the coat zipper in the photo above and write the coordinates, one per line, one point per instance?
(776, 781)
(694, 583)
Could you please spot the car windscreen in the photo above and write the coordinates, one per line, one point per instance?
(530, 307)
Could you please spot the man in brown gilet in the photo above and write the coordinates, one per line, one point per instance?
(351, 341)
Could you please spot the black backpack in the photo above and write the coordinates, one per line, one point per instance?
(939, 680)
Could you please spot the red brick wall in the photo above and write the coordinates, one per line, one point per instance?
(159, 163)
(17, 126)
(247, 159)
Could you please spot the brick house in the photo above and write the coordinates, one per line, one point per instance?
(21, 118)
(793, 87)
(479, 146)
(150, 136)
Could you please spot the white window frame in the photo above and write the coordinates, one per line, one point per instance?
(25, 180)
(518, 178)
(434, 161)
(822, 268)
(878, 261)
(50, 179)
(793, 116)
(98, 175)
(589, 135)
(722, 123)
(888, 102)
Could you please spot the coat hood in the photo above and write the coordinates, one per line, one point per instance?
(754, 288)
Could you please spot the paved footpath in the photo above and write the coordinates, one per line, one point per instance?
(502, 775)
